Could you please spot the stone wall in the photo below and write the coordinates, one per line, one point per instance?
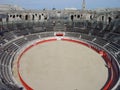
(16, 16)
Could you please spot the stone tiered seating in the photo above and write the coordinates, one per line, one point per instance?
(78, 24)
(4, 72)
(20, 42)
(2, 41)
(113, 37)
(118, 58)
(10, 47)
(100, 41)
(59, 27)
(9, 36)
(87, 37)
(49, 28)
(17, 33)
(43, 35)
(32, 37)
(37, 29)
(115, 45)
(117, 30)
(81, 30)
(70, 34)
(118, 42)
(111, 48)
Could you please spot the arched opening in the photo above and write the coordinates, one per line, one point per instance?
(72, 17)
(102, 18)
(36, 15)
(90, 17)
(17, 15)
(33, 17)
(10, 15)
(109, 19)
(26, 17)
(39, 17)
(7, 19)
(75, 15)
(20, 16)
(13, 16)
(45, 17)
(0, 19)
(78, 16)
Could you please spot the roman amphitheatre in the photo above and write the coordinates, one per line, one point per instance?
(66, 49)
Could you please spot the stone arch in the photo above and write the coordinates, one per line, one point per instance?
(33, 17)
(13, 16)
(75, 15)
(102, 18)
(36, 14)
(109, 19)
(26, 17)
(20, 16)
(91, 17)
(7, 19)
(10, 15)
(72, 17)
(17, 15)
(42, 14)
(45, 17)
(78, 16)
(39, 17)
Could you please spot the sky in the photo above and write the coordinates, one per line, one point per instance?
(61, 4)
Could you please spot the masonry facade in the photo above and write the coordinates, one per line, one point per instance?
(18, 15)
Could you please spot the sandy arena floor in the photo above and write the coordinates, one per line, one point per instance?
(63, 65)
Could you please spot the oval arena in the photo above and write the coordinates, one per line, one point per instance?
(62, 65)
